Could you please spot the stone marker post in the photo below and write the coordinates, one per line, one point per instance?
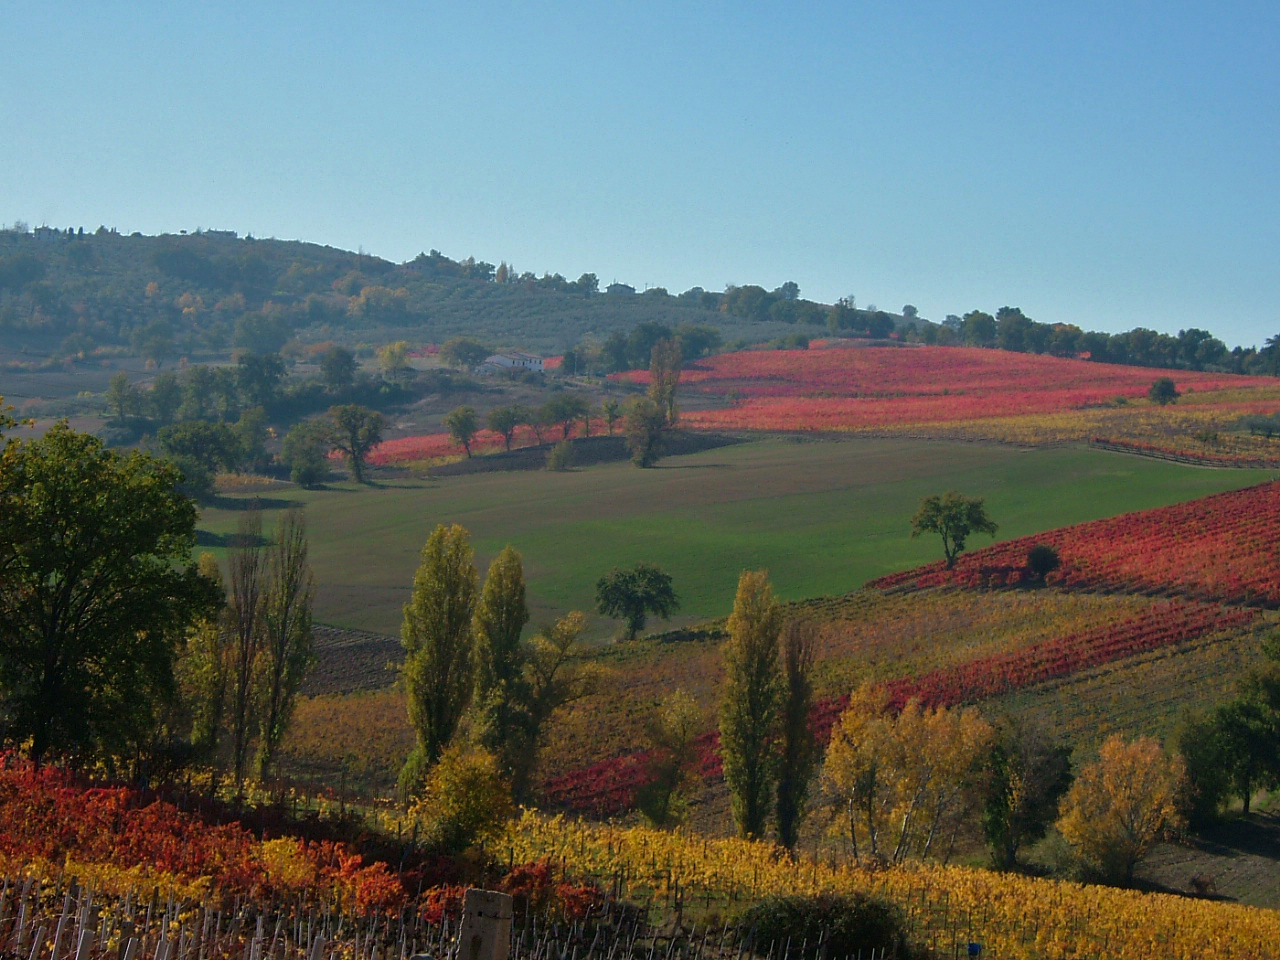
(486, 926)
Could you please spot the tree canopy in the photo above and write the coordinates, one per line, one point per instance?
(631, 595)
(96, 589)
(953, 517)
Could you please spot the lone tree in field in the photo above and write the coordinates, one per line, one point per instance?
(437, 637)
(953, 517)
(666, 361)
(463, 425)
(355, 431)
(1042, 560)
(751, 702)
(631, 595)
(1163, 392)
(96, 587)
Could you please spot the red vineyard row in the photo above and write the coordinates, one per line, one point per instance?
(1222, 547)
(610, 786)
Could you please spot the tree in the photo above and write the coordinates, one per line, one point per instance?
(337, 369)
(798, 751)
(612, 413)
(258, 377)
(305, 452)
(1121, 804)
(505, 420)
(463, 353)
(355, 430)
(906, 782)
(246, 606)
(1247, 736)
(437, 637)
(1042, 560)
(287, 648)
(1163, 391)
(466, 800)
(750, 704)
(499, 714)
(643, 425)
(631, 595)
(953, 517)
(394, 359)
(202, 671)
(1027, 777)
(554, 677)
(164, 398)
(123, 399)
(664, 377)
(199, 448)
(96, 590)
(671, 733)
(564, 409)
(463, 425)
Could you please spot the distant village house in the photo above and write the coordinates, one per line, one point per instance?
(511, 363)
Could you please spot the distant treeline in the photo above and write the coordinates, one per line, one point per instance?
(210, 292)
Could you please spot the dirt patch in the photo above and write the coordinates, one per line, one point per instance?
(351, 660)
(1239, 859)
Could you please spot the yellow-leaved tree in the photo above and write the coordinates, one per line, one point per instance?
(906, 782)
(1121, 804)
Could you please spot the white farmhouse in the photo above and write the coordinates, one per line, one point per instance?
(510, 362)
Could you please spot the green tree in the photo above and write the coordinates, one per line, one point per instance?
(258, 378)
(123, 399)
(1042, 560)
(463, 425)
(202, 672)
(1027, 777)
(246, 608)
(798, 751)
(466, 800)
(750, 704)
(437, 637)
(564, 409)
(612, 412)
(287, 649)
(164, 398)
(1163, 391)
(505, 420)
(499, 705)
(953, 517)
(632, 595)
(1247, 736)
(671, 733)
(664, 377)
(644, 425)
(96, 591)
(356, 430)
(555, 675)
(305, 452)
(337, 369)
(463, 353)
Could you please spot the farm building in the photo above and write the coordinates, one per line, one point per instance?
(509, 362)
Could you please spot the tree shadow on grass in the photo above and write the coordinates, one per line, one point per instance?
(253, 503)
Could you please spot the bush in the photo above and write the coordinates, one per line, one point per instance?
(560, 457)
(1042, 560)
(827, 924)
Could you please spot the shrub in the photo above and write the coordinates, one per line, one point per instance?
(560, 457)
(827, 924)
(1042, 560)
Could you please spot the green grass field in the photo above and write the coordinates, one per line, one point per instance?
(822, 516)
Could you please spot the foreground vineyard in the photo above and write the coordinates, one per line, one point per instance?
(946, 907)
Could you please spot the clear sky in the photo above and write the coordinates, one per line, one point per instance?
(1106, 164)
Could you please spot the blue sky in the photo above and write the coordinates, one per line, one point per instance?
(1106, 164)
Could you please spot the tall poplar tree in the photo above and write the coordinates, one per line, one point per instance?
(500, 716)
(751, 703)
(798, 754)
(437, 639)
(287, 642)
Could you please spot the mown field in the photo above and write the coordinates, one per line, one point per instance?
(822, 516)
